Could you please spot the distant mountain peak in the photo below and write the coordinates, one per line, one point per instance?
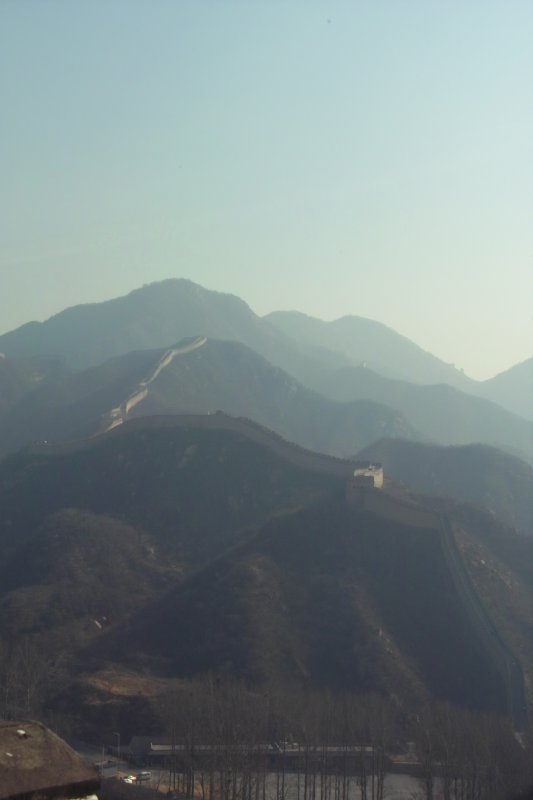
(368, 341)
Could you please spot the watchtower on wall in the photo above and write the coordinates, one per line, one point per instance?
(365, 476)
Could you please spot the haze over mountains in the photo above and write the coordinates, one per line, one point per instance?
(157, 316)
(160, 314)
(19, 377)
(478, 474)
(324, 358)
(441, 413)
(216, 376)
(247, 563)
(512, 388)
(46, 399)
(170, 474)
(365, 342)
(373, 346)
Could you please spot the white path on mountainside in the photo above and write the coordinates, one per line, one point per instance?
(119, 414)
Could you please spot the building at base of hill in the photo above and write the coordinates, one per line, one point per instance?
(35, 764)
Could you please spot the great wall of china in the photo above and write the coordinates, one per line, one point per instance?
(375, 501)
(507, 665)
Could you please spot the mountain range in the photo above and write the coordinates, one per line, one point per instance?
(158, 316)
(203, 377)
(441, 413)
(178, 547)
(365, 342)
(512, 389)
(478, 474)
(373, 346)
(173, 495)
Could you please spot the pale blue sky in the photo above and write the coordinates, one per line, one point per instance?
(372, 158)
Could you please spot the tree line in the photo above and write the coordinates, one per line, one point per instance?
(286, 743)
(237, 743)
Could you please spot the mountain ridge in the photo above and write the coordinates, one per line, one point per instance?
(166, 292)
(155, 316)
(342, 570)
(478, 474)
(364, 340)
(202, 375)
(352, 408)
(512, 388)
(443, 413)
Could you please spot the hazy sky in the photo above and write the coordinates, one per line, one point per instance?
(372, 158)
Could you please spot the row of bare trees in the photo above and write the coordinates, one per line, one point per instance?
(233, 743)
(28, 675)
(262, 743)
(236, 743)
(466, 756)
(22, 680)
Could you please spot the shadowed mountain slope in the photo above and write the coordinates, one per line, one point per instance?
(198, 376)
(77, 573)
(20, 377)
(90, 532)
(157, 475)
(236, 552)
(512, 389)
(160, 313)
(153, 317)
(365, 341)
(230, 377)
(207, 375)
(329, 596)
(441, 413)
(368, 343)
(317, 353)
(71, 404)
(477, 474)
